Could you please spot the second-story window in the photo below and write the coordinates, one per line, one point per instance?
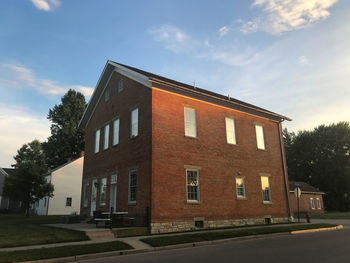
(107, 95)
(120, 85)
(134, 125)
(106, 137)
(260, 141)
(190, 122)
(116, 132)
(97, 141)
(230, 131)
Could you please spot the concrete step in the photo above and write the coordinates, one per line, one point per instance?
(99, 234)
(130, 231)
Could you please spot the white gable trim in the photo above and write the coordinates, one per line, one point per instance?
(138, 77)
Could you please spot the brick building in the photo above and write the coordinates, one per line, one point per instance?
(186, 157)
(311, 200)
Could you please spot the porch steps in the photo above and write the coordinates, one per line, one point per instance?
(130, 231)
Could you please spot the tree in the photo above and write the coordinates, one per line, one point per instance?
(66, 140)
(28, 183)
(322, 158)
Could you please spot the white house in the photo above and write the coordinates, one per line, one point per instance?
(67, 181)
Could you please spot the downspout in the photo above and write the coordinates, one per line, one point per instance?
(284, 166)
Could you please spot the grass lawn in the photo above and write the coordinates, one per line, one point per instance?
(332, 215)
(17, 230)
(65, 251)
(207, 236)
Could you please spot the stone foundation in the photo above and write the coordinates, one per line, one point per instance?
(169, 227)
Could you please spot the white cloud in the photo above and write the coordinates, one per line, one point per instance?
(18, 76)
(304, 61)
(46, 5)
(223, 31)
(173, 38)
(19, 126)
(286, 15)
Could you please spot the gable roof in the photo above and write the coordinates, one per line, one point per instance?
(305, 188)
(63, 165)
(152, 80)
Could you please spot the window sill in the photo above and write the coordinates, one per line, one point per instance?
(190, 137)
(267, 202)
(241, 198)
(133, 137)
(132, 203)
(115, 145)
(264, 150)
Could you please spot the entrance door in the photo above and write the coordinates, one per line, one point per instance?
(93, 196)
(113, 193)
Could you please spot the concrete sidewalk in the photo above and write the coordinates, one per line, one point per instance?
(135, 240)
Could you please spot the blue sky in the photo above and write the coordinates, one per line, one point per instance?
(289, 56)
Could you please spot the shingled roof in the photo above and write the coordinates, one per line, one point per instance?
(305, 188)
(152, 80)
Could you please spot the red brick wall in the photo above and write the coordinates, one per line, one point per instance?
(129, 153)
(305, 203)
(219, 162)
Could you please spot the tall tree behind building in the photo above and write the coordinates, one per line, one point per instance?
(66, 140)
(321, 157)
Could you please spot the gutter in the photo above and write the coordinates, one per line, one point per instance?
(284, 166)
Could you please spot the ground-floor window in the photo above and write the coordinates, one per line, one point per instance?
(312, 203)
(318, 203)
(132, 186)
(69, 201)
(240, 188)
(266, 190)
(192, 185)
(86, 193)
(103, 191)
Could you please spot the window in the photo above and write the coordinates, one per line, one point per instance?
(120, 85)
(116, 132)
(240, 187)
(230, 131)
(97, 141)
(190, 122)
(69, 201)
(312, 203)
(192, 185)
(86, 194)
(103, 191)
(134, 123)
(107, 95)
(265, 187)
(259, 129)
(318, 203)
(106, 137)
(132, 186)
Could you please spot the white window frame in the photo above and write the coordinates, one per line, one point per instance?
(197, 200)
(97, 140)
(103, 190)
(86, 194)
(116, 126)
(312, 203)
(230, 130)
(260, 136)
(244, 194)
(131, 172)
(190, 124)
(318, 201)
(106, 137)
(134, 123)
(120, 85)
(269, 201)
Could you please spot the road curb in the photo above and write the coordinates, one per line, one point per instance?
(316, 230)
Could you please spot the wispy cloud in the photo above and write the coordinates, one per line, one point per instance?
(18, 76)
(46, 5)
(280, 16)
(14, 121)
(223, 31)
(173, 38)
(304, 61)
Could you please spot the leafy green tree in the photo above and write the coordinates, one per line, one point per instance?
(321, 157)
(28, 183)
(66, 140)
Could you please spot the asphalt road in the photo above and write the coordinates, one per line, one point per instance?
(328, 246)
